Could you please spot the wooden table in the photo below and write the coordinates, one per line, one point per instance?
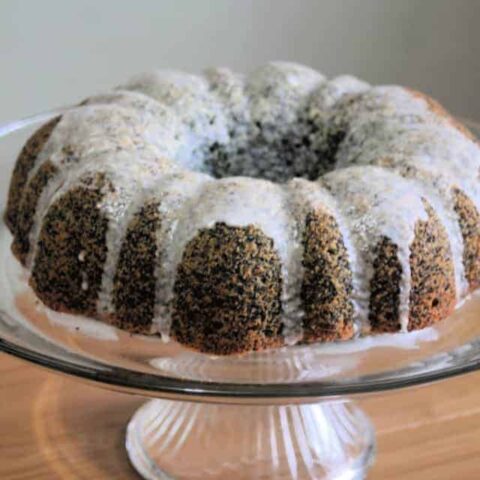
(54, 427)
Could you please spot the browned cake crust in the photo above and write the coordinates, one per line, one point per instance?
(432, 295)
(71, 250)
(134, 282)
(28, 207)
(385, 288)
(469, 220)
(23, 166)
(227, 292)
(327, 282)
(440, 111)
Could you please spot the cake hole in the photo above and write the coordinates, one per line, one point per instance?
(435, 302)
(276, 153)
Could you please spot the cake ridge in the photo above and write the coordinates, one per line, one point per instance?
(176, 196)
(89, 144)
(239, 202)
(442, 202)
(431, 167)
(311, 197)
(120, 208)
(65, 177)
(366, 198)
(201, 120)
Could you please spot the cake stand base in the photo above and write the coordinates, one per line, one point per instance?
(181, 440)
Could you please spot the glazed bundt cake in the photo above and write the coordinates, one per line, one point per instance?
(236, 213)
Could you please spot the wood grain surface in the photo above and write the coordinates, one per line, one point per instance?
(53, 427)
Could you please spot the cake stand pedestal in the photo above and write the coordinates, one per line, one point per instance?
(184, 440)
(208, 428)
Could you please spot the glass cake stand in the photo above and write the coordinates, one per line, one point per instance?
(280, 414)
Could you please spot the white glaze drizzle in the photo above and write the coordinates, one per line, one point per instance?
(386, 126)
(443, 205)
(98, 128)
(229, 89)
(240, 202)
(277, 90)
(377, 203)
(329, 93)
(414, 141)
(133, 179)
(200, 114)
(91, 134)
(309, 196)
(174, 194)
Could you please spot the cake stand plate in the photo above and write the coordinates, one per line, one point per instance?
(287, 413)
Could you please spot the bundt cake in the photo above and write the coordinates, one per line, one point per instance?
(236, 213)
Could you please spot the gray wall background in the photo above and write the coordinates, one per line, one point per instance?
(54, 52)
